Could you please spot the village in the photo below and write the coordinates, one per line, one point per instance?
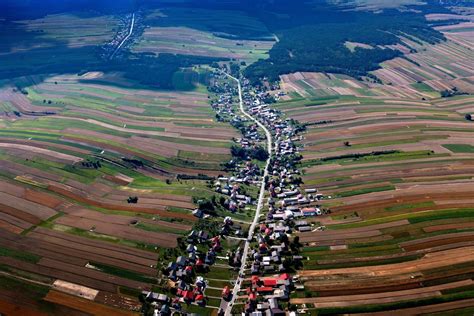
(267, 279)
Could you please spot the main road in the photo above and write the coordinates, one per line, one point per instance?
(126, 37)
(238, 282)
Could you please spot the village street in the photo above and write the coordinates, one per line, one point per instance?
(227, 306)
(130, 32)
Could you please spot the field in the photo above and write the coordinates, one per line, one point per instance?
(98, 173)
(198, 38)
(377, 5)
(395, 163)
(61, 42)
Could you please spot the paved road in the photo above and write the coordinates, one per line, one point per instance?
(126, 37)
(261, 196)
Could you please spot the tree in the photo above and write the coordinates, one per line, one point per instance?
(468, 117)
(132, 199)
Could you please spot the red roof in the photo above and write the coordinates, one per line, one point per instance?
(270, 282)
(225, 291)
(199, 262)
(253, 296)
(199, 297)
(188, 295)
(264, 289)
(284, 276)
(189, 268)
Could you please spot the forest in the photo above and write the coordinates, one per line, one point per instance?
(311, 38)
(317, 44)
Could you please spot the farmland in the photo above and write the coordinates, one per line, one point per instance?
(198, 38)
(37, 43)
(98, 173)
(394, 161)
(68, 177)
(125, 147)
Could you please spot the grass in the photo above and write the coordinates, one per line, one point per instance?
(401, 207)
(102, 237)
(370, 158)
(315, 266)
(459, 148)
(364, 191)
(123, 273)
(219, 273)
(413, 218)
(158, 228)
(19, 254)
(25, 288)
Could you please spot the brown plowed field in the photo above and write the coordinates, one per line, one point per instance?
(91, 273)
(85, 305)
(429, 261)
(382, 297)
(161, 212)
(122, 231)
(422, 310)
(437, 241)
(352, 233)
(82, 279)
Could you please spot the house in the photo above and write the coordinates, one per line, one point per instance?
(301, 223)
(181, 261)
(226, 293)
(276, 312)
(281, 268)
(192, 236)
(182, 285)
(198, 213)
(200, 282)
(172, 275)
(255, 269)
(304, 229)
(273, 303)
(172, 266)
(309, 211)
(270, 282)
(263, 306)
(200, 299)
(191, 248)
(253, 296)
(163, 298)
(165, 310)
(203, 236)
(264, 290)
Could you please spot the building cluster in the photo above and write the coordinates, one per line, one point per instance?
(290, 208)
(181, 275)
(123, 30)
(274, 252)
